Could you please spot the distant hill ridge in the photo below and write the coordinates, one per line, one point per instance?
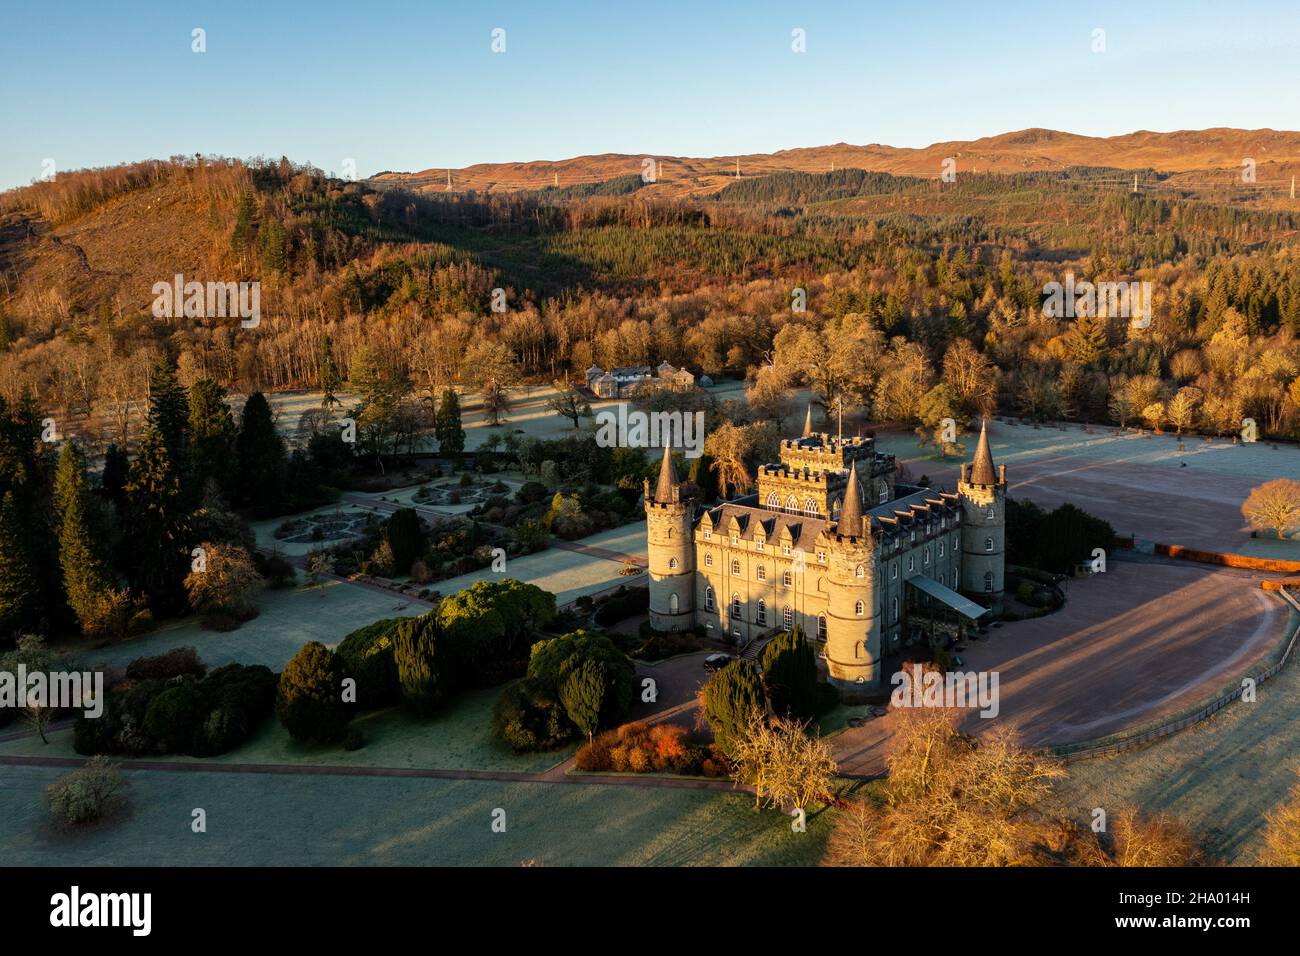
(1210, 153)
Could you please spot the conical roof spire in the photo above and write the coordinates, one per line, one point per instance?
(667, 483)
(807, 423)
(982, 471)
(850, 523)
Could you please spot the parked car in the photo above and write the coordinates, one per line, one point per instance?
(716, 662)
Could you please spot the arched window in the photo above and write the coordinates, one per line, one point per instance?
(992, 513)
(859, 572)
(792, 505)
(735, 567)
(708, 599)
(762, 611)
(787, 578)
(672, 564)
(988, 544)
(669, 535)
(859, 608)
(761, 572)
(810, 508)
(774, 501)
(787, 618)
(708, 560)
(672, 604)
(988, 581)
(821, 627)
(735, 606)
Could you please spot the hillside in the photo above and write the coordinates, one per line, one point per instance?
(1190, 155)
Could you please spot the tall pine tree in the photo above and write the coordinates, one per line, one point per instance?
(260, 452)
(87, 577)
(156, 532)
(212, 436)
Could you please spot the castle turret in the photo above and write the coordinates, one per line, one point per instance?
(807, 423)
(983, 491)
(671, 551)
(853, 657)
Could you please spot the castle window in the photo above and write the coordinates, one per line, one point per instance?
(859, 608)
(792, 505)
(821, 557)
(758, 543)
(925, 559)
(991, 513)
(708, 536)
(893, 610)
(774, 501)
(787, 579)
(893, 572)
(787, 618)
(708, 560)
(821, 627)
(785, 549)
(735, 606)
(941, 549)
(761, 572)
(672, 564)
(884, 492)
(941, 578)
(669, 535)
(708, 599)
(911, 562)
(988, 581)
(858, 572)
(955, 542)
(672, 604)
(762, 611)
(988, 545)
(735, 540)
(735, 567)
(810, 508)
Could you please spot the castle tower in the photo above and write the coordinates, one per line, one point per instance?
(983, 491)
(853, 657)
(671, 551)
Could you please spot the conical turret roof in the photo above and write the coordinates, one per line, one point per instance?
(982, 471)
(850, 523)
(667, 483)
(807, 423)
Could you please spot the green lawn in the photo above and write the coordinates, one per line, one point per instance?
(458, 738)
(256, 820)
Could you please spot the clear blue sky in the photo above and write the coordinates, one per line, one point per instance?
(415, 85)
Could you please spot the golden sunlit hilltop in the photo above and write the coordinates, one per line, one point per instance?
(1210, 152)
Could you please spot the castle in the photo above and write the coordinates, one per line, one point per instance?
(834, 543)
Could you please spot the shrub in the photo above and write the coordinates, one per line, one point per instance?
(529, 718)
(237, 698)
(308, 698)
(366, 655)
(91, 792)
(178, 662)
(404, 536)
(732, 699)
(623, 603)
(277, 570)
(637, 748)
(416, 656)
(790, 675)
(171, 717)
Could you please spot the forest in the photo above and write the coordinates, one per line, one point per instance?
(904, 299)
